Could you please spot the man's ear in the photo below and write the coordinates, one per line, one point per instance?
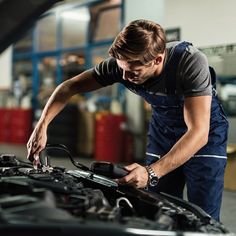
(158, 60)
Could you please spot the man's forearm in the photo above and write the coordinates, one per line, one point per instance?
(181, 152)
(197, 119)
(56, 103)
(81, 83)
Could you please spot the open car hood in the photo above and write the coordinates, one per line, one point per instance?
(18, 16)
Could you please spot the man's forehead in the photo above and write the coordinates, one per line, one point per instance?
(129, 64)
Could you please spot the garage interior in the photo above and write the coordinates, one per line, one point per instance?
(74, 35)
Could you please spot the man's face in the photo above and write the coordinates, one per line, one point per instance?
(135, 72)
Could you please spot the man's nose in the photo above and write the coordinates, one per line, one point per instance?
(127, 75)
(124, 75)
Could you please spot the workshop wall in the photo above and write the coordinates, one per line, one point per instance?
(203, 22)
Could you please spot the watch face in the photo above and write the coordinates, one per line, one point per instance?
(154, 181)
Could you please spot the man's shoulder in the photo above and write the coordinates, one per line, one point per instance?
(108, 65)
(190, 53)
(110, 61)
(107, 72)
(190, 48)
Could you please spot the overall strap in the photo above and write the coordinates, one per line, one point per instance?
(213, 76)
(172, 65)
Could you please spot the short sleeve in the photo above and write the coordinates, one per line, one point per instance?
(107, 72)
(195, 75)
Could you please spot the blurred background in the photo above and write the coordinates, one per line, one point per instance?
(109, 124)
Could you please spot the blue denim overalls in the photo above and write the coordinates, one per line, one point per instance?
(204, 172)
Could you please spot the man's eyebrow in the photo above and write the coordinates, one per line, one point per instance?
(134, 62)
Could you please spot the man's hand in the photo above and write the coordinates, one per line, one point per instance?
(138, 176)
(36, 143)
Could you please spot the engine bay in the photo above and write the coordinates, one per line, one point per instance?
(57, 200)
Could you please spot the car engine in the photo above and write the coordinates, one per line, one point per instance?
(56, 201)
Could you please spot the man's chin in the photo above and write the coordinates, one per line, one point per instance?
(138, 81)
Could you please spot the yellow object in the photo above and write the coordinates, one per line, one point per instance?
(230, 170)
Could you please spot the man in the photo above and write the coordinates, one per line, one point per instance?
(188, 129)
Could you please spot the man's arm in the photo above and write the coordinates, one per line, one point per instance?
(81, 83)
(197, 118)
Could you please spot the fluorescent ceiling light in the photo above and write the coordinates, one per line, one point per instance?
(79, 15)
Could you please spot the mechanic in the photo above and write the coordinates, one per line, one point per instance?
(188, 129)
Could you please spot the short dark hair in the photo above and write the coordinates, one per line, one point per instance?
(141, 40)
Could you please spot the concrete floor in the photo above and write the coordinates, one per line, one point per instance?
(228, 210)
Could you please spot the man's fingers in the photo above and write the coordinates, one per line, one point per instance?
(137, 176)
(36, 161)
(132, 181)
(34, 149)
(131, 167)
(30, 147)
(132, 175)
(126, 179)
(30, 157)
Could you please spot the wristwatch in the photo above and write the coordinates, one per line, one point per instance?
(152, 177)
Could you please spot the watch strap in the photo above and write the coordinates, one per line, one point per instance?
(152, 177)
